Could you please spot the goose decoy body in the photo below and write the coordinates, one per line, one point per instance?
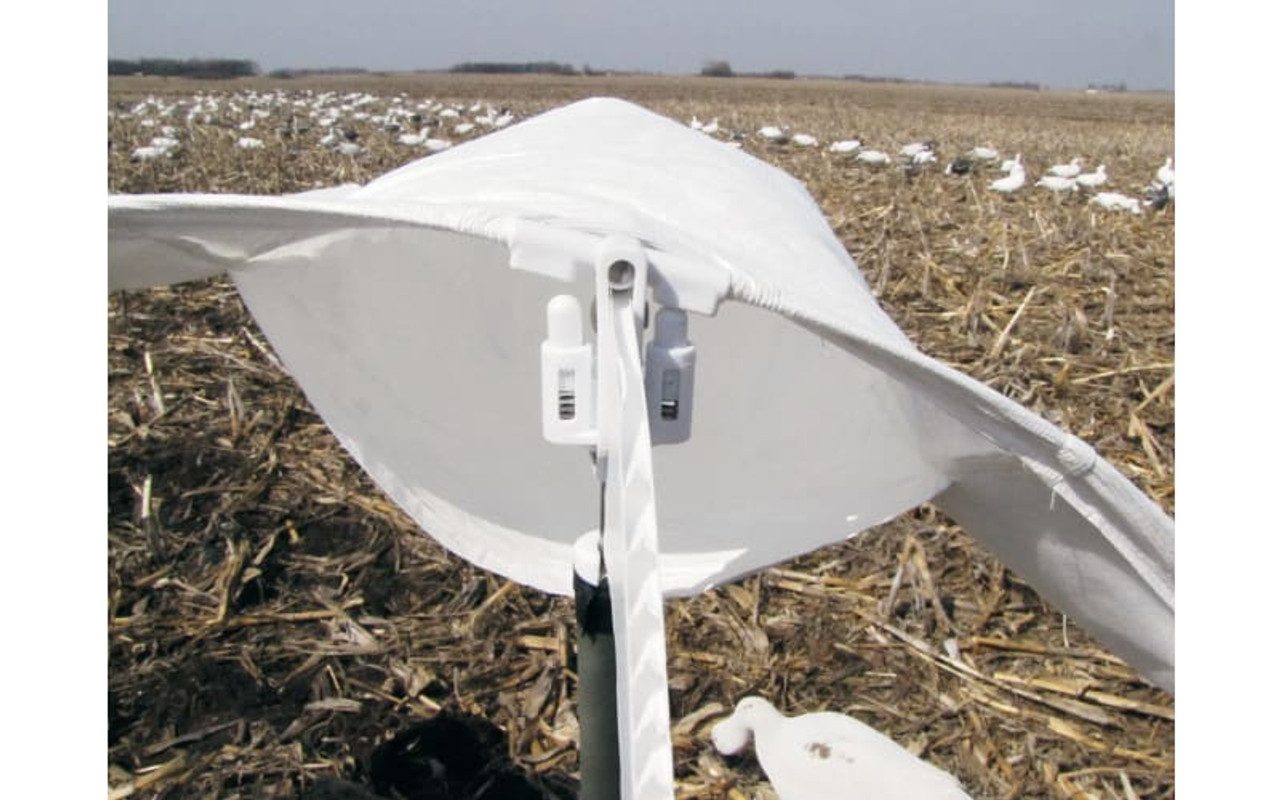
(830, 756)
(1093, 179)
(1012, 182)
(1114, 201)
(1058, 184)
(1069, 170)
(1009, 164)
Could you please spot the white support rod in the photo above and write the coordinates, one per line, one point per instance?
(631, 551)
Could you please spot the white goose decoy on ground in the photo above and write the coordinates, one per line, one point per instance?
(1009, 164)
(1058, 184)
(873, 157)
(1114, 201)
(1093, 180)
(915, 148)
(1012, 182)
(924, 157)
(830, 756)
(804, 140)
(148, 153)
(414, 139)
(773, 133)
(1165, 173)
(985, 153)
(1067, 170)
(845, 146)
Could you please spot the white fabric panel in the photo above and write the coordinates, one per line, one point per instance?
(395, 308)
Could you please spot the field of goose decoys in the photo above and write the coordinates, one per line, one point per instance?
(275, 619)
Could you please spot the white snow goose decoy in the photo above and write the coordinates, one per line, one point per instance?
(1009, 164)
(1012, 182)
(830, 756)
(1067, 170)
(874, 157)
(1057, 184)
(985, 153)
(845, 146)
(773, 133)
(1092, 180)
(1165, 173)
(1114, 201)
(915, 148)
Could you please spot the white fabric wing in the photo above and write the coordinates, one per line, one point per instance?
(396, 308)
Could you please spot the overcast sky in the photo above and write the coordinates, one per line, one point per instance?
(1053, 43)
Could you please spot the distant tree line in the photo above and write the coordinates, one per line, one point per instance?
(1035, 87)
(304, 72)
(506, 68)
(875, 79)
(1109, 87)
(722, 69)
(185, 68)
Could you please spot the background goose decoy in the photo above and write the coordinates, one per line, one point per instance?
(873, 157)
(830, 756)
(1158, 195)
(1012, 182)
(1093, 180)
(1009, 164)
(1069, 170)
(915, 148)
(1058, 184)
(1114, 201)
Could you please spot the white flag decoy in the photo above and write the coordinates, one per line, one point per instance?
(411, 311)
(830, 756)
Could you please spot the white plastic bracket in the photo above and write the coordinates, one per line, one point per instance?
(575, 408)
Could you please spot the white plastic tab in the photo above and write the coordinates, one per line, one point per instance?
(568, 382)
(668, 379)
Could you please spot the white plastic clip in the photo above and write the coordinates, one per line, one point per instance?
(572, 412)
(668, 378)
(568, 379)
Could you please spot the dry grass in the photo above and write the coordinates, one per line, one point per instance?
(273, 616)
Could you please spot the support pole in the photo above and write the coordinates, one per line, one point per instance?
(598, 759)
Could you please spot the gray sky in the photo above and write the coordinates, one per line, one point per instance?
(1053, 43)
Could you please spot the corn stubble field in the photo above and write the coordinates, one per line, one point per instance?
(273, 616)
